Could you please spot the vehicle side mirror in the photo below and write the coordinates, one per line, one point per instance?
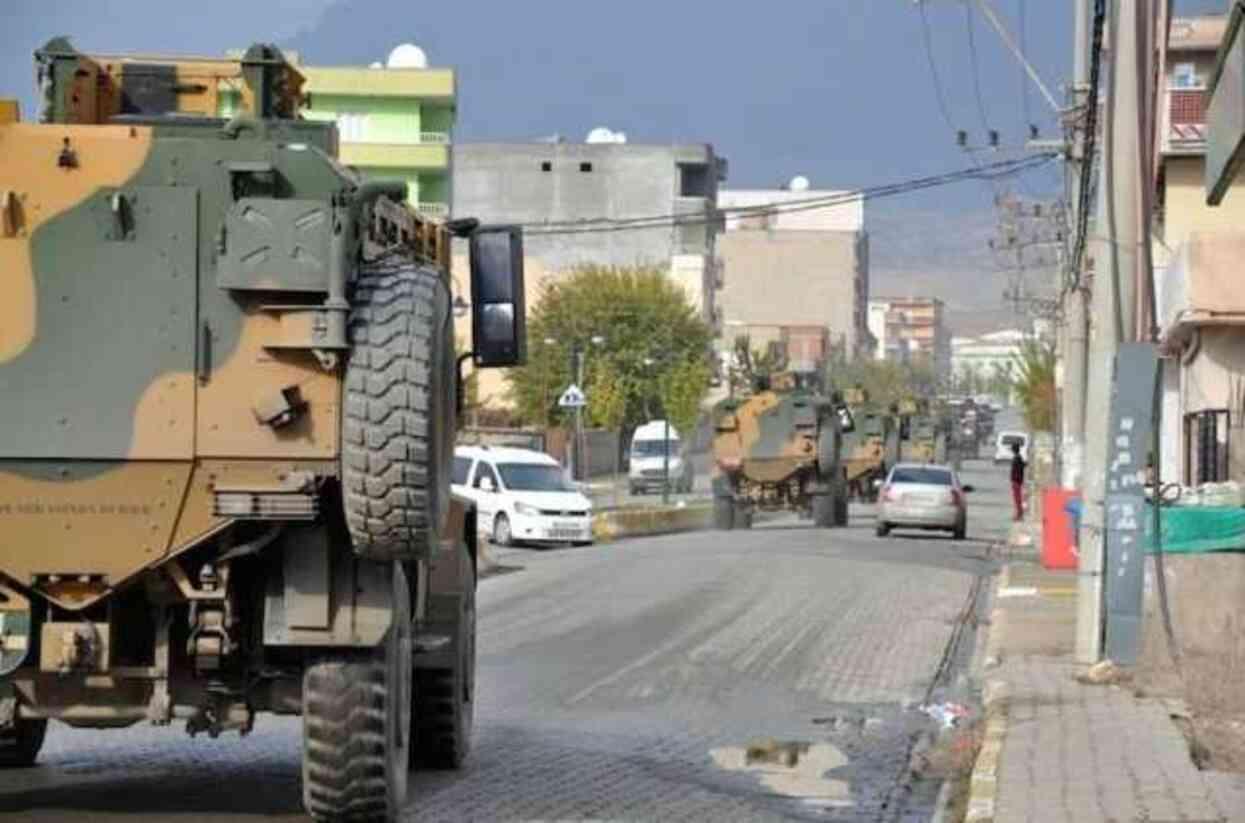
(498, 313)
(486, 485)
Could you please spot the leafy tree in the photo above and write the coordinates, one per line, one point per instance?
(1034, 369)
(637, 312)
(886, 381)
(748, 363)
(607, 396)
(682, 389)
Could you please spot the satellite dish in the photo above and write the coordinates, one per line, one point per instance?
(798, 183)
(601, 135)
(407, 56)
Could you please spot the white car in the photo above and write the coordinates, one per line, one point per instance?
(921, 496)
(521, 496)
(649, 447)
(1003, 443)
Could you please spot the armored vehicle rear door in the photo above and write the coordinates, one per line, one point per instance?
(108, 372)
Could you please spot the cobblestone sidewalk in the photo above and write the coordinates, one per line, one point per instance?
(1059, 750)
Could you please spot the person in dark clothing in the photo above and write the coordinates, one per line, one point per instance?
(1018, 482)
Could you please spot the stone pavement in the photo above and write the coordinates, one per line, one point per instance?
(1059, 750)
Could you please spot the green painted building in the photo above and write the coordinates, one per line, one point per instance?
(392, 123)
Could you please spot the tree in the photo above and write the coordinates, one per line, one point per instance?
(1034, 370)
(637, 312)
(683, 389)
(748, 363)
(886, 381)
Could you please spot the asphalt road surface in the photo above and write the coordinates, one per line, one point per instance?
(752, 675)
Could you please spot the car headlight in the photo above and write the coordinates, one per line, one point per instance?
(524, 508)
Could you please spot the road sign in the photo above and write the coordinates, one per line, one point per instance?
(573, 398)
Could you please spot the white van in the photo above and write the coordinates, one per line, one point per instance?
(649, 447)
(521, 496)
(1003, 443)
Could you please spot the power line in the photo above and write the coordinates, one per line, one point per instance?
(992, 171)
(1086, 187)
(933, 69)
(972, 52)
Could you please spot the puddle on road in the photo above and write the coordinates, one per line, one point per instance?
(791, 768)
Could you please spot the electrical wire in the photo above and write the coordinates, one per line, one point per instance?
(1085, 195)
(991, 171)
(1022, 13)
(972, 53)
(939, 93)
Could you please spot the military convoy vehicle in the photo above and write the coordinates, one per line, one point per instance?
(871, 448)
(779, 449)
(924, 434)
(227, 413)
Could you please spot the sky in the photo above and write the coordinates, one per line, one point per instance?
(839, 91)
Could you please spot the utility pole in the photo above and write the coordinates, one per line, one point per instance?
(1114, 315)
(1074, 290)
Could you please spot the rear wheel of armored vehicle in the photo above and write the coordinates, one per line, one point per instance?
(399, 387)
(20, 745)
(357, 726)
(825, 514)
(723, 513)
(445, 697)
(840, 506)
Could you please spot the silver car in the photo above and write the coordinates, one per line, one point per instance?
(923, 496)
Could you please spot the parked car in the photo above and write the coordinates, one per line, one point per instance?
(522, 496)
(922, 496)
(1003, 443)
(647, 459)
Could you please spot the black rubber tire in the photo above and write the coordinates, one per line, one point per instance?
(444, 712)
(19, 746)
(501, 525)
(882, 529)
(397, 429)
(723, 513)
(357, 727)
(841, 515)
(829, 446)
(824, 511)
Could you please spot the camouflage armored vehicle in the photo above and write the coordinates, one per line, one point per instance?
(923, 433)
(871, 448)
(779, 449)
(227, 411)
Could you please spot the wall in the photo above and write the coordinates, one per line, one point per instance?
(506, 182)
(793, 278)
(1185, 209)
(386, 119)
(1215, 379)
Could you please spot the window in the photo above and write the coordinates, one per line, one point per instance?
(462, 469)
(1207, 443)
(1184, 76)
(585, 167)
(915, 474)
(483, 470)
(546, 166)
(534, 477)
(352, 126)
(694, 180)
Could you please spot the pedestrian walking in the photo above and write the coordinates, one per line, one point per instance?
(1018, 483)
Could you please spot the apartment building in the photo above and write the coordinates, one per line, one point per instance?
(911, 330)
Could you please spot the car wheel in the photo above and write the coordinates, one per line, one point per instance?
(502, 536)
(883, 529)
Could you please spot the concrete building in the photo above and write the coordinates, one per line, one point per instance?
(1196, 253)
(796, 266)
(567, 194)
(393, 122)
(912, 330)
(988, 354)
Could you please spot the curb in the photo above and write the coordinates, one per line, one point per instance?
(983, 783)
(623, 523)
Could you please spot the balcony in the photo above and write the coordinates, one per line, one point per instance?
(1184, 121)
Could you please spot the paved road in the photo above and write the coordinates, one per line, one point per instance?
(629, 682)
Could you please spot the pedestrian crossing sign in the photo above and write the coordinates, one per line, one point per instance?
(573, 398)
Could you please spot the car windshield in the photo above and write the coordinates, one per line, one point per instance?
(652, 448)
(918, 474)
(1010, 440)
(534, 477)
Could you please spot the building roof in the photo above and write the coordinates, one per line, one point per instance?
(847, 212)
